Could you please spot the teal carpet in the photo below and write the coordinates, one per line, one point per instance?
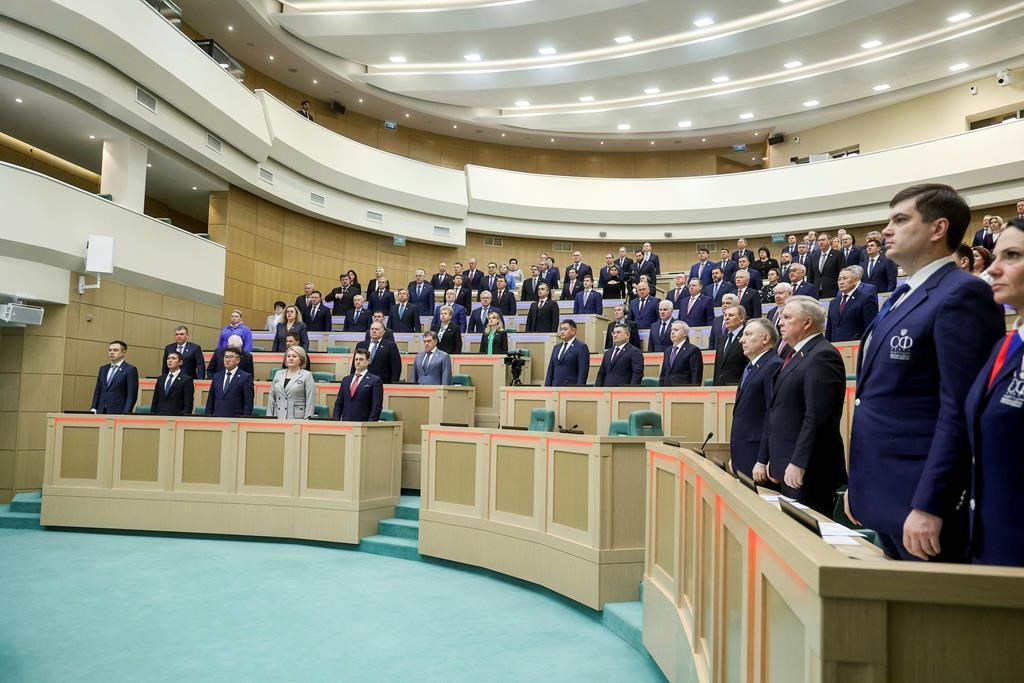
(109, 607)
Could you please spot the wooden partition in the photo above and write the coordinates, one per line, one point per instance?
(416, 406)
(559, 510)
(735, 590)
(327, 481)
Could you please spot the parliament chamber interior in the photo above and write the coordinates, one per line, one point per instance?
(627, 340)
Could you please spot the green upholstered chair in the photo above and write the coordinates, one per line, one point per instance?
(258, 349)
(462, 380)
(320, 410)
(542, 420)
(388, 415)
(273, 373)
(199, 410)
(644, 423)
(649, 382)
(709, 382)
(851, 378)
(141, 409)
(259, 411)
(525, 352)
(324, 377)
(338, 349)
(618, 428)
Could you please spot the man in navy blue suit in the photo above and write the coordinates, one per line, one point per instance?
(478, 318)
(643, 310)
(696, 310)
(742, 250)
(589, 300)
(358, 319)
(797, 278)
(791, 247)
(727, 265)
(361, 395)
(752, 273)
(909, 460)
(850, 313)
(701, 270)
(748, 296)
(472, 277)
(193, 363)
(385, 358)
(682, 363)
(602, 277)
(679, 293)
(117, 384)
(623, 364)
(421, 292)
(504, 298)
(174, 390)
(729, 360)
(879, 270)
(459, 317)
(403, 316)
(319, 316)
(759, 341)
(660, 338)
(719, 286)
(851, 252)
(231, 389)
(984, 236)
(570, 360)
(649, 257)
(582, 268)
(489, 282)
(380, 297)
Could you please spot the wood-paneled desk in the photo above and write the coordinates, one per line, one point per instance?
(560, 510)
(735, 590)
(319, 341)
(327, 481)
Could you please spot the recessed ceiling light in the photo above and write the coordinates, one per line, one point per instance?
(753, 158)
(622, 40)
(271, 57)
(407, 115)
(547, 51)
(471, 57)
(794, 64)
(703, 139)
(587, 98)
(881, 87)
(959, 66)
(652, 91)
(194, 187)
(959, 16)
(747, 115)
(720, 79)
(785, 1)
(18, 100)
(149, 165)
(704, 22)
(360, 100)
(811, 103)
(870, 44)
(230, 27)
(316, 82)
(552, 139)
(685, 124)
(756, 134)
(397, 59)
(522, 103)
(623, 126)
(602, 142)
(455, 125)
(652, 142)
(502, 135)
(92, 137)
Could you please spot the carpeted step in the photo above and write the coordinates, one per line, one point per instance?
(408, 507)
(399, 528)
(402, 548)
(626, 620)
(29, 501)
(18, 520)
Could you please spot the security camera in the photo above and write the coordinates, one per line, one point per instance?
(1004, 77)
(973, 90)
(796, 140)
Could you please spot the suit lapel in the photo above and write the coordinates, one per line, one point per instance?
(796, 360)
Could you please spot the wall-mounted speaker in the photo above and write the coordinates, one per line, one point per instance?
(337, 107)
(776, 139)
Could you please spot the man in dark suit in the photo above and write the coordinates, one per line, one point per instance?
(193, 363)
(231, 389)
(174, 391)
(421, 293)
(785, 261)
(803, 255)
(549, 275)
(851, 252)
(216, 363)
(649, 257)
(379, 318)
(879, 270)
(916, 364)
(358, 319)
(625, 265)
(659, 333)
(588, 301)
(679, 293)
(752, 273)
(530, 285)
(489, 282)
(749, 298)
(783, 290)
(729, 359)
(459, 316)
(472, 276)
(696, 310)
(850, 313)
(802, 447)
(719, 286)
(797, 279)
(341, 296)
(403, 316)
(478, 318)
(543, 314)
(573, 285)
(726, 264)
(302, 301)
(582, 269)
(623, 364)
(117, 384)
(642, 267)
(718, 327)
(380, 297)
(741, 250)
(361, 394)
(984, 237)
(463, 294)
(602, 277)
(385, 358)
(442, 280)
(620, 318)
(570, 361)
(701, 270)
(791, 247)
(824, 268)
(759, 341)
(683, 363)
(319, 319)
(504, 298)
(643, 310)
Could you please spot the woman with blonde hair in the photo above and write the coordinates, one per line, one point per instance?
(494, 338)
(292, 323)
(293, 391)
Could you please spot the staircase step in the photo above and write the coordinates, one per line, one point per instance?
(402, 548)
(626, 620)
(408, 507)
(18, 520)
(399, 528)
(29, 501)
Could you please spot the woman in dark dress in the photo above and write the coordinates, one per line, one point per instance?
(613, 286)
(354, 282)
(494, 339)
(449, 336)
(764, 262)
(292, 323)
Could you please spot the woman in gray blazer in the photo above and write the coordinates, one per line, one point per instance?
(293, 392)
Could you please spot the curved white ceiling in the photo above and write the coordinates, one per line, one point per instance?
(565, 67)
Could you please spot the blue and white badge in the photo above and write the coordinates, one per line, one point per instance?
(1014, 396)
(900, 345)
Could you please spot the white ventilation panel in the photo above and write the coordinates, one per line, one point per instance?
(375, 216)
(317, 199)
(267, 176)
(146, 99)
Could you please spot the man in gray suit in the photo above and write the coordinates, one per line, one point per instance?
(432, 365)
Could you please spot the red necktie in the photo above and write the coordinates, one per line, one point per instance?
(842, 304)
(355, 383)
(789, 357)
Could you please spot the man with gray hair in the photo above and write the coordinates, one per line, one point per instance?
(782, 292)
(431, 365)
(718, 325)
(683, 363)
(729, 360)
(747, 295)
(760, 339)
(798, 279)
(802, 447)
(850, 313)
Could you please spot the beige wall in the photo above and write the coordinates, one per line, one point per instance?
(937, 115)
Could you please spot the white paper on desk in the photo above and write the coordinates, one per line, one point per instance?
(774, 498)
(834, 529)
(839, 540)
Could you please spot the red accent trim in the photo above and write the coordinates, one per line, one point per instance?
(447, 432)
(208, 423)
(571, 442)
(619, 392)
(514, 437)
(143, 421)
(327, 428)
(145, 383)
(405, 389)
(84, 419)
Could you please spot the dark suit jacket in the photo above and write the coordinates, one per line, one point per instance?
(528, 292)
(386, 363)
(506, 303)
(634, 333)
(472, 281)
(850, 324)
(670, 296)
(728, 268)
(655, 262)
(827, 278)
(410, 322)
(550, 276)
(852, 255)
(805, 288)
(500, 342)
(752, 400)
(478, 321)
(729, 363)
(423, 301)
(983, 238)
(442, 282)
(236, 401)
(594, 305)
(802, 425)
(216, 363)
(381, 302)
(118, 397)
(321, 322)
(451, 342)
(360, 325)
(572, 368)
(627, 369)
(656, 341)
(688, 370)
(643, 319)
(644, 268)
(883, 275)
(542, 319)
(488, 283)
(571, 289)
(342, 300)
(751, 302)
(625, 268)
(459, 317)
(193, 363)
(282, 332)
(177, 401)
(464, 297)
(705, 275)
(581, 270)
(300, 303)
(723, 289)
(602, 276)
(700, 315)
(743, 252)
(367, 403)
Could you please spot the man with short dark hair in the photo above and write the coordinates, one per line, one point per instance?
(697, 310)
(231, 389)
(504, 298)
(729, 360)
(174, 391)
(588, 301)
(742, 250)
(431, 365)
(319, 319)
(342, 296)
(879, 270)
(619, 317)
(193, 363)
(570, 360)
(361, 394)
(385, 358)
(404, 317)
(623, 364)
(117, 384)
(823, 271)
(850, 313)
(719, 287)
(701, 270)
(305, 111)
(543, 313)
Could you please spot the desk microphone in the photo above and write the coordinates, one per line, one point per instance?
(701, 449)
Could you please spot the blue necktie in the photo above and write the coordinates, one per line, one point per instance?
(887, 306)
(746, 373)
